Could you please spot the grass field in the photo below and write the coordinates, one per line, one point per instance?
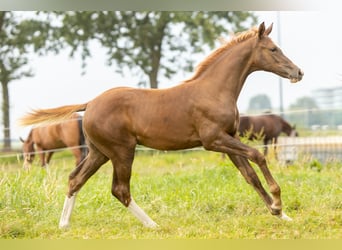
(192, 195)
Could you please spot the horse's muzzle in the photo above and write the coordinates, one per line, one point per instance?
(297, 76)
(27, 165)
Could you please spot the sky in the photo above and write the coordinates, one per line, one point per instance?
(311, 39)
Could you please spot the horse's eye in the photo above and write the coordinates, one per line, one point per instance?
(274, 49)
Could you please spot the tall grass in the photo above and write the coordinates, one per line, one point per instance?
(190, 195)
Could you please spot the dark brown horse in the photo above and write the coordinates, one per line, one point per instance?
(267, 127)
(201, 111)
(44, 140)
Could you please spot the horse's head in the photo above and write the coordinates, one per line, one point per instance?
(268, 57)
(294, 132)
(28, 152)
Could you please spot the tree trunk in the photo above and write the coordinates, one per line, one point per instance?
(155, 64)
(156, 49)
(6, 117)
(5, 100)
(153, 80)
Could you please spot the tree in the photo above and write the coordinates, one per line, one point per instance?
(149, 43)
(259, 103)
(19, 36)
(304, 102)
(307, 112)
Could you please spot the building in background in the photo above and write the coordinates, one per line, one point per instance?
(328, 98)
(329, 102)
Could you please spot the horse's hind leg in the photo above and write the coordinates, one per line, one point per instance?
(77, 152)
(77, 179)
(48, 158)
(122, 163)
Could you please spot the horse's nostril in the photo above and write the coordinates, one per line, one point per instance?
(301, 72)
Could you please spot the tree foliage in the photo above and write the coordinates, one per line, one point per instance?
(149, 44)
(307, 112)
(304, 102)
(259, 103)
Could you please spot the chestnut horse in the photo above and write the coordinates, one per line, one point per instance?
(45, 139)
(200, 111)
(267, 127)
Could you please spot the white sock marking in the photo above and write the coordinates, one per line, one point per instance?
(141, 215)
(283, 216)
(69, 203)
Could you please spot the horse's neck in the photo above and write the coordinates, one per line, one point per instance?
(229, 72)
(30, 136)
(286, 128)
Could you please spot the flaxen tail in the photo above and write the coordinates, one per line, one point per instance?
(47, 116)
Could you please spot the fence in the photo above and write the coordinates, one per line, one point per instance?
(321, 148)
(320, 138)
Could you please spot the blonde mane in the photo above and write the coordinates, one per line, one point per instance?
(240, 37)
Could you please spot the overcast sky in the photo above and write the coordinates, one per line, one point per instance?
(311, 39)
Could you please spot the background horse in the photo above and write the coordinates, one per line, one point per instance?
(201, 111)
(266, 127)
(54, 136)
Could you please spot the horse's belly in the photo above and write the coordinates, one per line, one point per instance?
(168, 142)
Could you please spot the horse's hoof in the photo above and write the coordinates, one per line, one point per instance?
(64, 226)
(151, 224)
(283, 216)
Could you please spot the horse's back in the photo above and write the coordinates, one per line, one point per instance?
(270, 125)
(267, 125)
(69, 130)
(59, 135)
(151, 117)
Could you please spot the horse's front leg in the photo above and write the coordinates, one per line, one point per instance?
(266, 146)
(240, 153)
(274, 206)
(27, 161)
(78, 153)
(275, 143)
(122, 160)
(41, 154)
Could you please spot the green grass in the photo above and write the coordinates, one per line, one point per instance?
(192, 195)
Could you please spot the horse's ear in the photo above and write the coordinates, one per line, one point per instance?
(268, 30)
(261, 30)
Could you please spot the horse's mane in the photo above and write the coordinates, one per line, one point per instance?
(240, 37)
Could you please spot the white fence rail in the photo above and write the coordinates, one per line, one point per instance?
(322, 148)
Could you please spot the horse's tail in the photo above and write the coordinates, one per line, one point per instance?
(46, 116)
